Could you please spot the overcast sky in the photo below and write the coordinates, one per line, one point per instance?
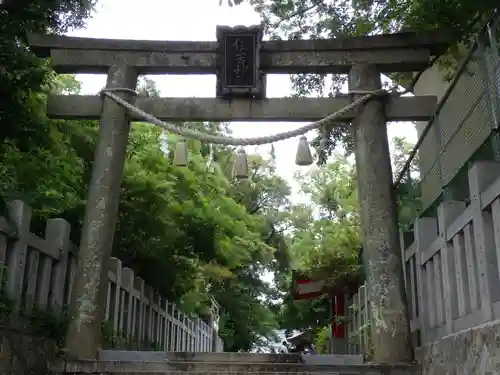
(196, 20)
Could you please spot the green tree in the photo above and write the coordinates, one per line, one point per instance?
(147, 86)
(313, 19)
(325, 241)
(182, 230)
(55, 162)
(408, 192)
(22, 75)
(264, 195)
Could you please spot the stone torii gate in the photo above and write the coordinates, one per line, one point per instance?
(363, 58)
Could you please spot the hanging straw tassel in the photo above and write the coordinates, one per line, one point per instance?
(181, 154)
(240, 170)
(303, 156)
(210, 162)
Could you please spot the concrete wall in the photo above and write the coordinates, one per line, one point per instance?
(474, 351)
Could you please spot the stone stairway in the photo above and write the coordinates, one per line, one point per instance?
(188, 363)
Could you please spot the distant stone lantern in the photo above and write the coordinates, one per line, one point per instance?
(238, 63)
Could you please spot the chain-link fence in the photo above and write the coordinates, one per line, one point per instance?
(464, 127)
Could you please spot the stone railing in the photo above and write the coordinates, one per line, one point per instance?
(38, 273)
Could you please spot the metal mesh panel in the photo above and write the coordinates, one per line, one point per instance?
(465, 119)
(430, 185)
(459, 104)
(492, 59)
(428, 150)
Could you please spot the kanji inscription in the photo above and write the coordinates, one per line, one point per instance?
(239, 72)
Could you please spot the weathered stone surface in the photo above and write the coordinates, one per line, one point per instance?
(405, 52)
(435, 41)
(474, 351)
(190, 363)
(89, 291)
(155, 356)
(236, 368)
(21, 353)
(95, 61)
(407, 108)
(381, 250)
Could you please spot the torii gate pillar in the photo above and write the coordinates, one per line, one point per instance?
(84, 332)
(390, 328)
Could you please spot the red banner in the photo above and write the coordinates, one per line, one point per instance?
(304, 288)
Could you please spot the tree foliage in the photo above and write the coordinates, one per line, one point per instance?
(183, 230)
(192, 233)
(325, 242)
(313, 19)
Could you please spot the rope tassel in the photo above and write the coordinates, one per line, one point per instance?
(303, 156)
(240, 170)
(181, 154)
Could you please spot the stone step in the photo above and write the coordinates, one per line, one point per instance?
(261, 367)
(131, 356)
(334, 359)
(159, 356)
(232, 368)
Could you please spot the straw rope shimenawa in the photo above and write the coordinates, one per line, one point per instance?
(303, 155)
(232, 141)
